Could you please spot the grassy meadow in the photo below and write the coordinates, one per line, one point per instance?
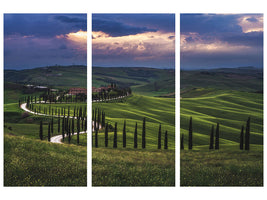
(60, 76)
(28, 161)
(222, 96)
(225, 167)
(129, 167)
(230, 109)
(156, 111)
(142, 80)
(31, 162)
(136, 167)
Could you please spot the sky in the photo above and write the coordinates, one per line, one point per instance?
(133, 40)
(39, 40)
(221, 40)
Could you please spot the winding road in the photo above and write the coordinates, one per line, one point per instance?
(58, 138)
(55, 139)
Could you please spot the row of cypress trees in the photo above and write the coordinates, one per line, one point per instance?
(115, 138)
(98, 118)
(52, 98)
(66, 128)
(215, 144)
(78, 112)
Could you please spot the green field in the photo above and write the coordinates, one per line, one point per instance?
(230, 109)
(120, 167)
(136, 167)
(225, 167)
(31, 162)
(156, 111)
(227, 97)
(143, 81)
(60, 76)
(28, 161)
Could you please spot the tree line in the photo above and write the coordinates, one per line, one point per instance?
(65, 126)
(214, 144)
(99, 119)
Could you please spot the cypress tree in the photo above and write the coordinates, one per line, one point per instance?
(104, 118)
(217, 136)
(48, 132)
(182, 142)
(124, 134)
(247, 134)
(190, 138)
(135, 136)
(72, 126)
(98, 119)
(63, 128)
(58, 125)
(106, 135)
(52, 126)
(115, 136)
(144, 134)
(41, 130)
(96, 138)
(69, 122)
(82, 123)
(78, 131)
(242, 138)
(166, 140)
(159, 137)
(95, 120)
(211, 137)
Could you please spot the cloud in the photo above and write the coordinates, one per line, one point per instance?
(43, 25)
(221, 40)
(67, 19)
(133, 40)
(158, 22)
(29, 52)
(146, 47)
(251, 23)
(115, 29)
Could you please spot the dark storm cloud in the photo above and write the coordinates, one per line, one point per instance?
(43, 25)
(127, 24)
(212, 39)
(248, 39)
(252, 19)
(155, 49)
(37, 40)
(116, 29)
(68, 19)
(209, 24)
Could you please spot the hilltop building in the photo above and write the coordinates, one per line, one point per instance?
(75, 91)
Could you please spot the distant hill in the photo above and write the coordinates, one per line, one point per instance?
(65, 76)
(247, 79)
(146, 81)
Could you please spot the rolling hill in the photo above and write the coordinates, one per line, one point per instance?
(249, 79)
(228, 97)
(145, 81)
(64, 76)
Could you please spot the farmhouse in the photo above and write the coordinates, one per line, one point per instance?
(100, 89)
(74, 91)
